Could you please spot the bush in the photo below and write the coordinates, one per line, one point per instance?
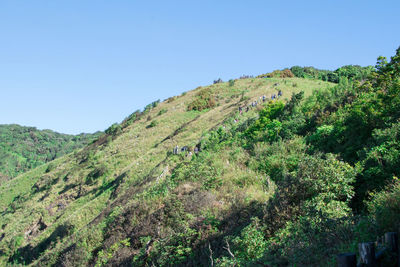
(203, 100)
(251, 244)
(205, 169)
(384, 208)
(351, 72)
(114, 129)
(152, 124)
(162, 111)
(266, 127)
(171, 99)
(311, 239)
(286, 73)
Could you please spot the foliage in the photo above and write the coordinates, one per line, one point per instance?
(162, 111)
(24, 148)
(251, 243)
(351, 72)
(152, 124)
(384, 208)
(114, 129)
(291, 183)
(285, 73)
(105, 256)
(267, 127)
(205, 169)
(203, 100)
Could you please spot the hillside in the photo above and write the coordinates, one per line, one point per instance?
(24, 148)
(288, 181)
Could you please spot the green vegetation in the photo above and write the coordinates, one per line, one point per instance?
(285, 73)
(24, 148)
(291, 182)
(351, 72)
(203, 100)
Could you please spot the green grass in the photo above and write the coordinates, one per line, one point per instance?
(140, 154)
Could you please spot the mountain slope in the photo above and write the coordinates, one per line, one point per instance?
(24, 148)
(120, 183)
(289, 181)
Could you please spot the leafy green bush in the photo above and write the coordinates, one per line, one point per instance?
(162, 111)
(267, 127)
(152, 124)
(203, 100)
(351, 72)
(131, 118)
(205, 168)
(384, 208)
(310, 239)
(114, 129)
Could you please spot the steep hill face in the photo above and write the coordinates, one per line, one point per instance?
(126, 199)
(24, 148)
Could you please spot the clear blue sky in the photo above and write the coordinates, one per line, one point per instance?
(78, 66)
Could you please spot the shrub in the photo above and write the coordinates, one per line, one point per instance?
(266, 127)
(313, 238)
(286, 73)
(231, 83)
(114, 129)
(171, 99)
(205, 169)
(384, 207)
(162, 111)
(150, 106)
(152, 124)
(203, 100)
(251, 243)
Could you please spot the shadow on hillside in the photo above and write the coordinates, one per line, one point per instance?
(26, 255)
(177, 131)
(231, 225)
(113, 185)
(153, 224)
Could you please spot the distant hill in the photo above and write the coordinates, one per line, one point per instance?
(24, 148)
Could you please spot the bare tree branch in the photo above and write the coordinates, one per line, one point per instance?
(211, 254)
(228, 248)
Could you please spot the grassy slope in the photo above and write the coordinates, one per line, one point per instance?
(134, 161)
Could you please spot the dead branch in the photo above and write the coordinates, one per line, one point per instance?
(228, 248)
(211, 254)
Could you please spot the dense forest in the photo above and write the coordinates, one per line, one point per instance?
(224, 175)
(24, 148)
